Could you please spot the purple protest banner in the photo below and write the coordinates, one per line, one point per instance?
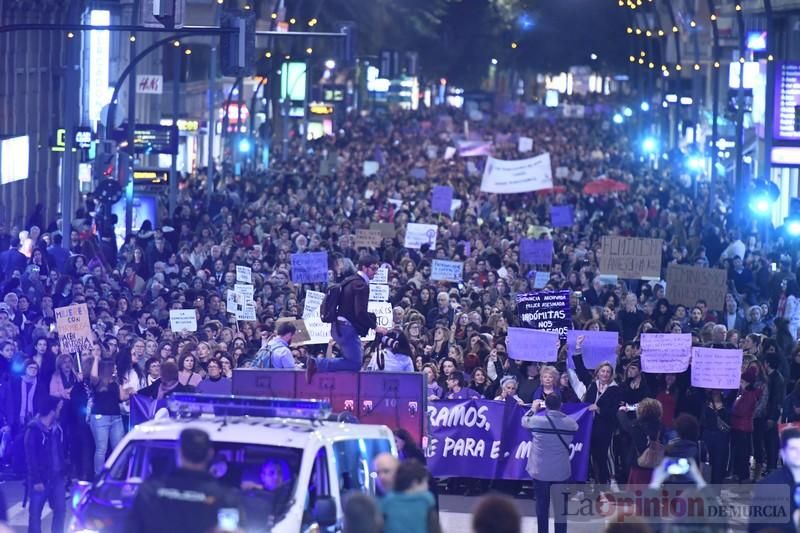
(536, 251)
(561, 216)
(310, 267)
(485, 439)
(442, 199)
(598, 346)
(525, 344)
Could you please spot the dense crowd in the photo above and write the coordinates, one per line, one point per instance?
(453, 332)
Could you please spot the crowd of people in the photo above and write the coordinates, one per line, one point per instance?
(453, 332)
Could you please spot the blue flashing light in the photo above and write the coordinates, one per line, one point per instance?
(244, 145)
(184, 405)
(525, 22)
(617, 118)
(793, 227)
(649, 145)
(760, 205)
(627, 111)
(645, 107)
(696, 163)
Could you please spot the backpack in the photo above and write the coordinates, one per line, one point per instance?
(264, 356)
(329, 308)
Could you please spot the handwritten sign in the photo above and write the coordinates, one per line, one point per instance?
(687, 284)
(368, 238)
(546, 311)
(310, 267)
(447, 270)
(525, 344)
(312, 303)
(666, 352)
(525, 144)
(631, 257)
(371, 168)
(248, 291)
(386, 228)
(598, 347)
(244, 274)
(561, 216)
(247, 313)
(541, 279)
(562, 172)
(378, 292)
(536, 251)
(442, 199)
(74, 330)
(182, 320)
(419, 234)
(381, 276)
(714, 368)
(318, 331)
(385, 316)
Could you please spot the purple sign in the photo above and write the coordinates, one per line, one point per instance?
(485, 439)
(548, 311)
(467, 248)
(536, 251)
(418, 173)
(442, 199)
(598, 346)
(310, 267)
(787, 101)
(561, 216)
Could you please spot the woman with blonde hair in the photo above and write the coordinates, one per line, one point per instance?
(549, 384)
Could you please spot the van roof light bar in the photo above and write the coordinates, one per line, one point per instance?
(186, 405)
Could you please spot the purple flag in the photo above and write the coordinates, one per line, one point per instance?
(598, 346)
(442, 199)
(561, 216)
(536, 251)
(485, 439)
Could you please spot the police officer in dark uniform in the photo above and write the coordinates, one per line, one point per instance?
(186, 500)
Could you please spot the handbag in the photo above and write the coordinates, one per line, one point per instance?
(652, 456)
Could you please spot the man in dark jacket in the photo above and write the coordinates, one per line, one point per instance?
(776, 390)
(784, 482)
(44, 455)
(187, 499)
(353, 320)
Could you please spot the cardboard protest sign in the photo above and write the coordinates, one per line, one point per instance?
(244, 274)
(371, 168)
(386, 228)
(383, 311)
(510, 177)
(547, 311)
(666, 352)
(381, 276)
(536, 251)
(419, 234)
(368, 238)
(300, 336)
(447, 270)
(524, 344)
(182, 320)
(714, 368)
(687, 284)
(561, 216)
(598, 346)
(631, 257)
(311, 267)
(74, 330)
(378, 292)
(442, 199)
(540, 279)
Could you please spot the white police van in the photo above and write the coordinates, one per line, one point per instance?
(290, 465)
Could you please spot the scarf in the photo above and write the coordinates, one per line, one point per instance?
(26, 400)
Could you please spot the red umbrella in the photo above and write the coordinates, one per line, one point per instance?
(553, 190)
(604, 186)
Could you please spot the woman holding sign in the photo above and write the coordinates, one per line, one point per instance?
(604, 396)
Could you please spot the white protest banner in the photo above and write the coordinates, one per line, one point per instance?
(524, 344)
(666, 352)
(74, 330)
(449, 152)
(525, 144)
(381, 276)
(541, 279)
(419, 234)
(182, 320)
(714, 368)
(371, 168)
(312, 303)
(383, 311)
(378, 292)
(244, 274)
(447, 270)
(509, 177)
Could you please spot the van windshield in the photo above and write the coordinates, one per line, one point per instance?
(264, 476)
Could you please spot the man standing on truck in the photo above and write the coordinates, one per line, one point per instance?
(352, 321)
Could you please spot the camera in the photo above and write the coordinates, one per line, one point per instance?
(389, 342)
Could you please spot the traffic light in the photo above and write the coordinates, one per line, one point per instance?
(105, 161)
(238, 48)
(347, 45)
